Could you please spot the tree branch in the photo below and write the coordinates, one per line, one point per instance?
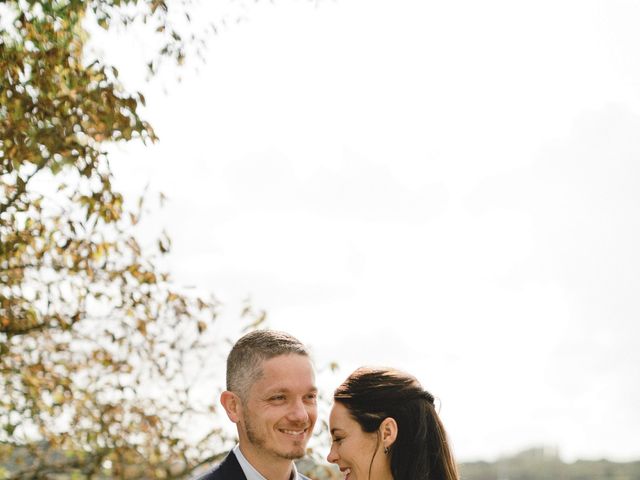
(22, 187)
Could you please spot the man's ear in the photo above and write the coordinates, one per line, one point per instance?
(232, 405)
(389, 432)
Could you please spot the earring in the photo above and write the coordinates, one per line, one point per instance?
(386, 450)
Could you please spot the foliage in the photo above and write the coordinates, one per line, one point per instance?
(541, 463)
(99, 351)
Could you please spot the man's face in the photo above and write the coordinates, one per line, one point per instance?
(278, 415)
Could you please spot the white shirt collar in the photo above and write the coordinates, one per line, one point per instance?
(251, 473)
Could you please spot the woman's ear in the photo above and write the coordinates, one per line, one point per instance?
(389, 432)
(231, 403)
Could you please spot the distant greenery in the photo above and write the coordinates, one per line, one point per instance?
(532, 464)
(541, 464)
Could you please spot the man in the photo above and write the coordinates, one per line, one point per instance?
(271, 397)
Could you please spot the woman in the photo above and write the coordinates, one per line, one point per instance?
(384, 427)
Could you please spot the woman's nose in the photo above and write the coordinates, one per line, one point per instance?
(332, 457)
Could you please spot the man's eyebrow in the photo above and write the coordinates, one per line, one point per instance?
(277, 390)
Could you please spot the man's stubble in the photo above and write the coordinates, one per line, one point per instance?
(259, 442)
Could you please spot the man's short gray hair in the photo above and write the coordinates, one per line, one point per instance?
(244, 363)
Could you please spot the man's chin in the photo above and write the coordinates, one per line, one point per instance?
(293, 453)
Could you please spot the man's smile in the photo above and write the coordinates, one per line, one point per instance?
(294, 432)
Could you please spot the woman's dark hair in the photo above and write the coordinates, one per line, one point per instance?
(421, 450)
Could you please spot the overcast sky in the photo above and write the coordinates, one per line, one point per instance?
(452, 188)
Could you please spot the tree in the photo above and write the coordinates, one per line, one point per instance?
(99, 350)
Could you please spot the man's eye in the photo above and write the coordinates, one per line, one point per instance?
(312, 397)
(276, 398)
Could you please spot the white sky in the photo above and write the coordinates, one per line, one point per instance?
(447, 187)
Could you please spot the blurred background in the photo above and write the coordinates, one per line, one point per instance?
(446, 188)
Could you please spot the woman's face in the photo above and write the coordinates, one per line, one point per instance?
(353, 450)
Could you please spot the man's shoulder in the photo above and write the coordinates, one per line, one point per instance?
(228, 469)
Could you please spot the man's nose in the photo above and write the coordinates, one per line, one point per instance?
(299, 412)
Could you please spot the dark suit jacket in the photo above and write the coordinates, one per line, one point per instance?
(230, 469)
